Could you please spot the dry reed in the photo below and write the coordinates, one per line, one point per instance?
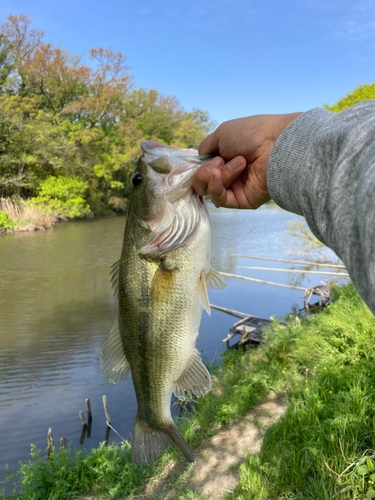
(27, 216)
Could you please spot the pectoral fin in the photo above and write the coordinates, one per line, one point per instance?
(203, 293)
(195, 378)
(113, 362)
(162, 283)
(215, 280)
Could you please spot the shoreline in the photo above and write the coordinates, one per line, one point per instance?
(323, 367)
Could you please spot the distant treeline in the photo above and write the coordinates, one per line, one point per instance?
(71, 131)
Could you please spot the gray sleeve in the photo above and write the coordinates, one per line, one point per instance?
(323, 167)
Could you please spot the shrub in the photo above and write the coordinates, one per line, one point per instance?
(62, 196)
(6, 224)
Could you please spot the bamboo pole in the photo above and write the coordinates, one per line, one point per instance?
(262, 281)
(317, 264)
(343, 275)
(232, 312)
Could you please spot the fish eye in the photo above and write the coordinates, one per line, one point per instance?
(137, 179)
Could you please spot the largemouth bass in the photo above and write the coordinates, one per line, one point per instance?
(161, 282)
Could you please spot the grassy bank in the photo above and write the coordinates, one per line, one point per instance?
(325, 369)
(23, 216)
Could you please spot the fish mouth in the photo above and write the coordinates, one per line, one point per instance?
(185, 222)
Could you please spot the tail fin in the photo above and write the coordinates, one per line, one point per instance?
(146, 442)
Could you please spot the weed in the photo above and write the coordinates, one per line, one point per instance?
(24, 216)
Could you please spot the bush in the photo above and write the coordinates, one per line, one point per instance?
(6, 224)
(106, 471)
(63, 196)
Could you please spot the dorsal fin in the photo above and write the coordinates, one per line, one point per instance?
(115, 276)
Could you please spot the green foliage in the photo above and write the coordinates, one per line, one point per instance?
(62, 196)
(305, 236)
(6, 223)
(363, 92)
(62, 118)
(106, 471)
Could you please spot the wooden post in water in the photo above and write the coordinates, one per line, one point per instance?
(107, 417)
(107, 432)
(89, 417)
(49, 442)
(62, 444)
(82, 419)
(108, 420)
(88, 409)
(83, 434)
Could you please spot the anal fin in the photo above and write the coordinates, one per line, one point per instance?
(115, 367)
(195, 378)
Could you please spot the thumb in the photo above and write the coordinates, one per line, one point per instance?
(209, 144)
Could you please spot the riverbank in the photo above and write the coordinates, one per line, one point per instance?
(23, 216)
(323, 368)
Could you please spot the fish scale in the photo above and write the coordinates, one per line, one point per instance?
(161, 283)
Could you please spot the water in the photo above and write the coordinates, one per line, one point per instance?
(56, 308)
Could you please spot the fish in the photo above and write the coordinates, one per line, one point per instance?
(161, 283)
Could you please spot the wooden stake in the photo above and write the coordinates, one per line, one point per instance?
(107, 433)
(88, 409)
(83, 434)
(317, 264)
(82, 418)
(107, 417)
(261, 281)
(49, 442)
(301, 271)
(62, 443)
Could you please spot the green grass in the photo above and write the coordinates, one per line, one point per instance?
(325, 369)
(331, 408)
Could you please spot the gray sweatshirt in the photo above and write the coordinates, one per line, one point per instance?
(323, 167)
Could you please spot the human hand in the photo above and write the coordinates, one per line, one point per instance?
(238, 177)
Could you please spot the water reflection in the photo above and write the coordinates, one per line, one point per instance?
(56, 307)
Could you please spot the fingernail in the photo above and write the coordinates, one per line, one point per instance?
(234, 164)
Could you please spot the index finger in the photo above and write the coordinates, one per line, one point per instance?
(209, 145)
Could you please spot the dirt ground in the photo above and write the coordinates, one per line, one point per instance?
(217, 460)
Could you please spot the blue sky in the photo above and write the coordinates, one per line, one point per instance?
(230, 57)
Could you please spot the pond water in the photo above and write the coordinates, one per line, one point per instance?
(56, 307)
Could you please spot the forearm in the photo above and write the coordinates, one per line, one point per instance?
(323, 167)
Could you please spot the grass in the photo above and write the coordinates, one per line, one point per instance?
(325, 369)
(22, 216)
(330, 420)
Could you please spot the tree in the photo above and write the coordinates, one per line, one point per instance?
(363, 92)
(62, 118)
